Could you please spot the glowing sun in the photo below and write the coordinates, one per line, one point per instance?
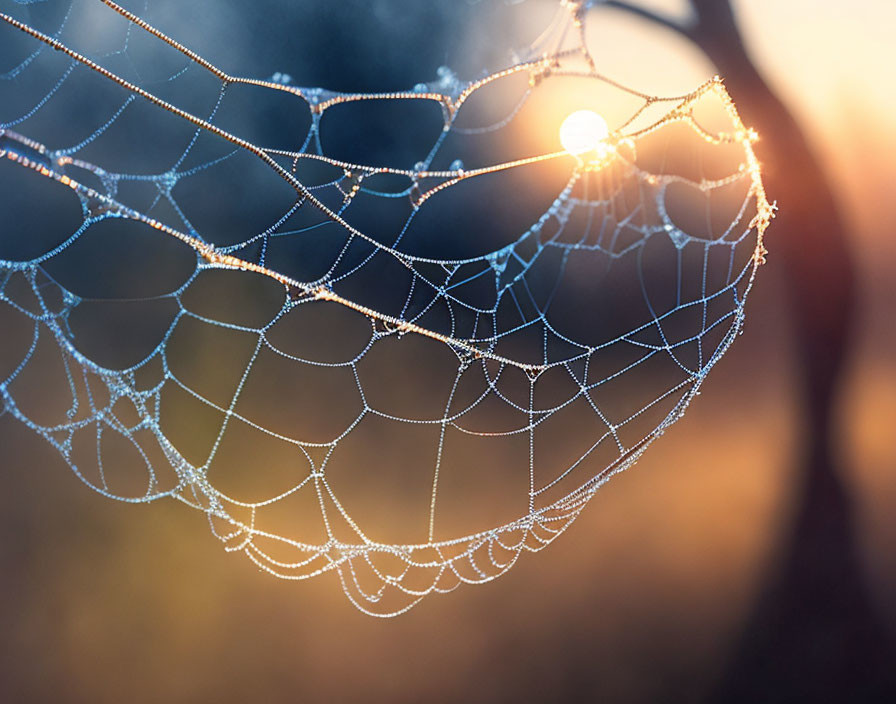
(583, 131)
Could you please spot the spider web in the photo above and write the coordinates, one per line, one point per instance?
(405, 370)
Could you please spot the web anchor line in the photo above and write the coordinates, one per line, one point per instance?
(218, 259)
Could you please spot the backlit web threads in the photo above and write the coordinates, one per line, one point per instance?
(406, 363)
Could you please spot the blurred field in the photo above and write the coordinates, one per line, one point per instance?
(640, 600)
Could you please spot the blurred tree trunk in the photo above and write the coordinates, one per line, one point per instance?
(813, 636)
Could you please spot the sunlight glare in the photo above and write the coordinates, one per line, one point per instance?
(583, 131)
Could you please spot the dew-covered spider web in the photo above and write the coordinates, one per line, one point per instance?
(404, 336)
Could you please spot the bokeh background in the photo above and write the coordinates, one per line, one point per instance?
(676, 584)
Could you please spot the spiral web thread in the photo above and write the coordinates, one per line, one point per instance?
(594, 215)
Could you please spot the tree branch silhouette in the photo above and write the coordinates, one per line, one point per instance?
(666, 22)
(813, 634)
